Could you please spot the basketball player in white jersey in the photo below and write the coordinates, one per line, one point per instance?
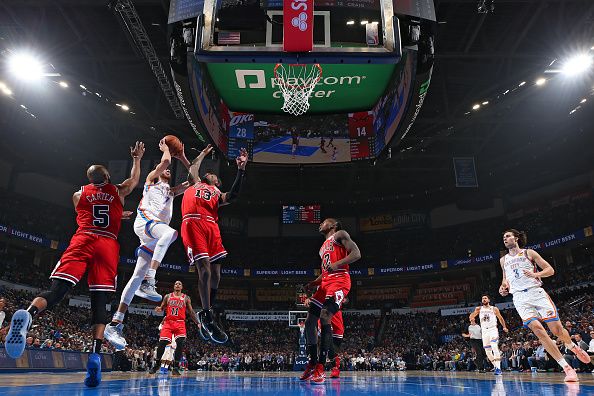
(522, 278)
(152, 227)
(489, 316)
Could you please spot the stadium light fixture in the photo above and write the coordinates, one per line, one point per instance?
(350, 22)
(125, 107)
(541, 81)
(486, 102)
(522, 83)
(583, 100)
(25, 66)
(365, 22)
(577, 64)
(476, 107)
(63, 84)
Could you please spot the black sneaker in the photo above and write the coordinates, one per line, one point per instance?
(153, 369)
(176, 372)
(211, 328)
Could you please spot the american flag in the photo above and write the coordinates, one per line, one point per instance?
(229, 38)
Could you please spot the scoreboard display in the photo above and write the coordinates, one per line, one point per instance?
(301, 214)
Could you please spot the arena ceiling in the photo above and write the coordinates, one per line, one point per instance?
(522, 138)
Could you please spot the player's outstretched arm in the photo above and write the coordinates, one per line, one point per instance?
(182, 187)
(546, 268)
(351, 247)
(164, 164)
(504, 288)
(233, 193)
(194, 169)
(474, 313)
(191, 311)
(128, 185)
(500, 318)
(76, 198)
(160, 308)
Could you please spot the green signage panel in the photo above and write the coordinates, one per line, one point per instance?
(251, 87)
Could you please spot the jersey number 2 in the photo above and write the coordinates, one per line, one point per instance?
(101, 216)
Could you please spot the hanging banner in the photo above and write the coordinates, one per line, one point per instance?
(465, 172)
(298, 24)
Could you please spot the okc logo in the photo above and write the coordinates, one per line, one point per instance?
(300, 22)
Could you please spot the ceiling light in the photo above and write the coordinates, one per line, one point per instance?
(364, 22)
(82, 86)
(486, 102)
(583, 100)
(63, 84)
(577, 64)
(350, 22)
(6, 90)
(25, 66)
(541, 81)
(476, 107)
(522, 83)
(125, 108)
(506, 92)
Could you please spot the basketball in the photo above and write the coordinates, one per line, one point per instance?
(174, 144)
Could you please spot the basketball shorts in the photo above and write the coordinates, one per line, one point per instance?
(144, 230)
(336, 288)
(202, 239)
(490, 336)
(337, 325)
(535, 304)
(172, 329)
(98, 254)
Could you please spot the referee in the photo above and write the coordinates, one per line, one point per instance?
(476, 341)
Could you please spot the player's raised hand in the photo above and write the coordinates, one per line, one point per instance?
(137, 151)
(163, 146)
(207, 150)
(242, 159)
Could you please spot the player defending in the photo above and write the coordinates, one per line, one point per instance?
(489, 316)
(94, 246)
(152, 227)
(522, 278)
(337, 253)
(175, 305)
(202, 238)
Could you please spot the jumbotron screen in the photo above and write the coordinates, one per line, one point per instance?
(301, 214)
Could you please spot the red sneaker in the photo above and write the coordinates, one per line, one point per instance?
(335, 373)
(319, 374)
(309, 371)
(570, 374)
(581, 354)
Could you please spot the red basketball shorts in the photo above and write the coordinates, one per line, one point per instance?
(202, 239)
(98, 254)
(336, 288)
(172, 329)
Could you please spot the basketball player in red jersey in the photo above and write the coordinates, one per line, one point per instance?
(337, 253)
(175, 305)
(337, 325)
(202, 238)
(94, 246)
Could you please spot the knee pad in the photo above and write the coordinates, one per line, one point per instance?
(98, 310)
(57, 291)
(331, 306)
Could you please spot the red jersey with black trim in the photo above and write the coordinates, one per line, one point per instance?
(176, 308)
(330, 252)
(201, 201)
(99, 210)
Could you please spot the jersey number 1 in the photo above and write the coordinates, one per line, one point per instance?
(101, 216)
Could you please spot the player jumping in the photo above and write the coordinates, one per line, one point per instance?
(94, 246)
(175, 305)
(522, 278)
(489, 316)
(202, 238)
(337, 253)
(152, 227)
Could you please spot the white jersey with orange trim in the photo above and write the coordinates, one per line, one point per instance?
(514, 267)
(156, 203)
(488, 318)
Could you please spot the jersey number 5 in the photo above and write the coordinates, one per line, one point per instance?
(101, 216)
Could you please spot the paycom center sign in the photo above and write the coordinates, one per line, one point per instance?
(342, 88)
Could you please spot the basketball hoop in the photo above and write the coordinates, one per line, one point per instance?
(296, 82)
(301, 327)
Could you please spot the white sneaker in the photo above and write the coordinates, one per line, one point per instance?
(16, 339)
(114, 335)
(148, 291)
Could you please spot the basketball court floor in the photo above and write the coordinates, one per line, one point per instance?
(288, 384)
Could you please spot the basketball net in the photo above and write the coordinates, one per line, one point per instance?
(296, 82)
(301, 328)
